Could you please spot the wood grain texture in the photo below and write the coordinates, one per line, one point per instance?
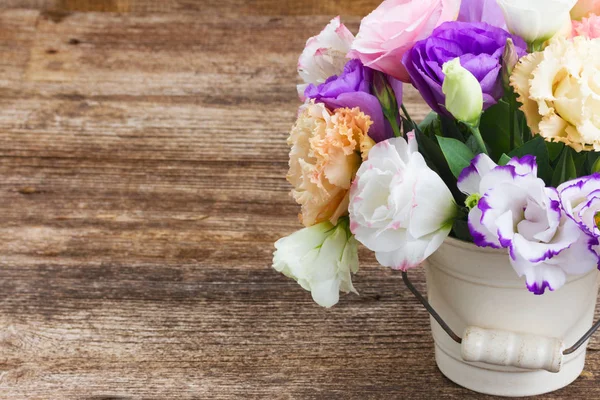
(230, 7)
(141, 190)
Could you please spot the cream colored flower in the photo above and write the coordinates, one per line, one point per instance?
(560, 92)
(325, 155)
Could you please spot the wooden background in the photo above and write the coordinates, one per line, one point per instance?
(142, 163)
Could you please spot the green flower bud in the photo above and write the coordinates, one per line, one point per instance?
(509, 60)
(464, 98)
(387, 98)
(472, 201)
(384, 92)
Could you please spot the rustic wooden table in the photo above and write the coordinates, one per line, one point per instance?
(142, 165)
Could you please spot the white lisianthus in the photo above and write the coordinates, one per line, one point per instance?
(321, 259)
(464, 97)
(537, 20)
(515, 210)
(399, 208)
(324, 55)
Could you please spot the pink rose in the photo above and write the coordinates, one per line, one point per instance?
(394, 27)
(588, 27)
(585, 7)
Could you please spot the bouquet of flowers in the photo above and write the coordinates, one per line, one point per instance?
(509, 157)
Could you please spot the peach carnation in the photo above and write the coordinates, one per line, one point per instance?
(560, 92)
(325, 154)
(588, 27)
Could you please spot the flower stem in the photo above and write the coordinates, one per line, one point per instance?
(407, 115)
(478, 138)
(512, 112)
(536, 46)
(394, 123)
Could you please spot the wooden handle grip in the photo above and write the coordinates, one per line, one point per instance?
(512, 349)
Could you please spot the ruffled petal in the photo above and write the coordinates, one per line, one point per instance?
(519, 80)
(469, 179)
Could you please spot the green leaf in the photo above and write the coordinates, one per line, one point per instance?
(435, 159)
(592, 159)
(434, 128)
(536, 147)
(565, 169)
(495, 130)
(596, 167)
(472, 145)
(523, 127)
(431, 152)
(579, 159)
(554, 150)
(504, 159)
(451, 128)
(430, 119)
(460, 230)
(457, 154)
(407, 126)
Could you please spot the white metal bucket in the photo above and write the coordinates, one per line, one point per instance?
(477, 287)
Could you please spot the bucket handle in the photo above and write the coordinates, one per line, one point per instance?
(503, 347)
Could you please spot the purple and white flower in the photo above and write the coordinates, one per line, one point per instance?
(580, 199)
(515, 210)
(399, 208)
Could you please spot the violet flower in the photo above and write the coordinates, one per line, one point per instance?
(487, 11)
(354, 88)
(479, 46)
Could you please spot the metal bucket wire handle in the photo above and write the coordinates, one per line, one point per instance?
(491, 356)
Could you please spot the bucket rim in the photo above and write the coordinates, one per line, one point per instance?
(473, 247)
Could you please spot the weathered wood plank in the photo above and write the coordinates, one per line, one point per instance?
(253, 7)
(141, 188)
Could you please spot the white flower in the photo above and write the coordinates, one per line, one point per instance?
(536, 20)
(324, 55)
(464, 97)
(516, 211)
(399, 208)
(320, 259)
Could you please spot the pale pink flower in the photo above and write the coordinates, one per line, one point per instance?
(588, 27)
(399, 208)
(392, 29)
(324, 55)
(324, 157)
